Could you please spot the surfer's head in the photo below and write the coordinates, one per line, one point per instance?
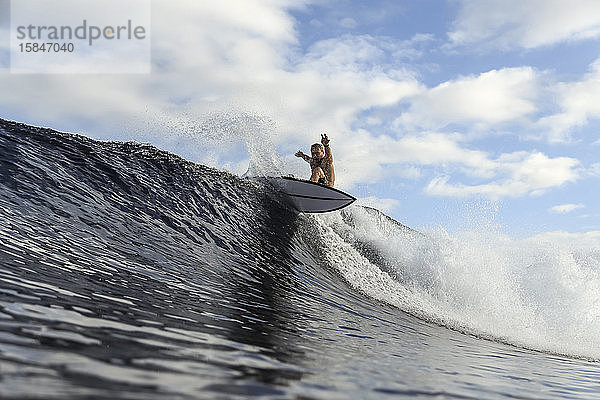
(316, 150)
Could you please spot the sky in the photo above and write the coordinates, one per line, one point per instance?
(440, 113)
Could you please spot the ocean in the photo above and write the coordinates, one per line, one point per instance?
(127, 272)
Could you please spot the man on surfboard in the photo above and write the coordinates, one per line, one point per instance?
(321, 162)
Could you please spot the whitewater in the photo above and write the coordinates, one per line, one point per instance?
(127, 272)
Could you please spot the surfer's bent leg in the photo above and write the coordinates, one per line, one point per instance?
(316, 174)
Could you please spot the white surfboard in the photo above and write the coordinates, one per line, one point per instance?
(312, 197)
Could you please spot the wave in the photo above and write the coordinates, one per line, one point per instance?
(101, 220)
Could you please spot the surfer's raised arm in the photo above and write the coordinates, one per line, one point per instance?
(327, 163)
(325, 142)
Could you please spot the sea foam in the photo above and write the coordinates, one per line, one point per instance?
(541, 293)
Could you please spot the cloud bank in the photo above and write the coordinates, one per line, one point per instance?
(235, 71)
(508, 24)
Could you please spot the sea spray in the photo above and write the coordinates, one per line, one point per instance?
(537, 294)
(225, 138)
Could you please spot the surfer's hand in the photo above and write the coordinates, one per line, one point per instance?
(324, 140)
(299, 153)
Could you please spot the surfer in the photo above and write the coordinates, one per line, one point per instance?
(321, 162)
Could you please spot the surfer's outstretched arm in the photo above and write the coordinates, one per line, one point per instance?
(304, 156)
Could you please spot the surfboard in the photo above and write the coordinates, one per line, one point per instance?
(311, 197)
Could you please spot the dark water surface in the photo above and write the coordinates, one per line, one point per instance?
(129, 273)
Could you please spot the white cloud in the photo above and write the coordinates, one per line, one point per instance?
(374, 15)
(492, 97)
(578, 101)
(412, 49)
(364, 157)
(515, 174)
(525, 23)
(367, 158)
(347, 53)
(565, 208)
(594, 170)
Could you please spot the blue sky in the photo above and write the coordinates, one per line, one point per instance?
(441, 113)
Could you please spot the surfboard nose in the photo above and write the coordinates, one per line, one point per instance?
(311, 197)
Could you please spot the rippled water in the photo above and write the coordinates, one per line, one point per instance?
(129, 273)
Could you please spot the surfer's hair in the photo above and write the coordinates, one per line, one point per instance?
(315, 146)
